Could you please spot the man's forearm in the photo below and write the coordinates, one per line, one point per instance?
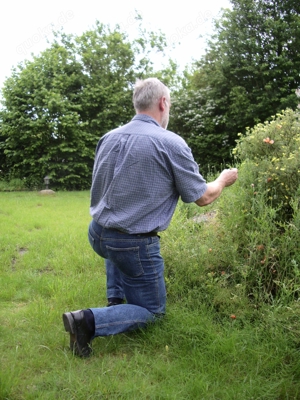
(213, 191)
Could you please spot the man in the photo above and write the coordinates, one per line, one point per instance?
(139, 173)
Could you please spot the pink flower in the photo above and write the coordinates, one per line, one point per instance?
(268, 140)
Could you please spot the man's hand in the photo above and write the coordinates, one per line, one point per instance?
(214, 189)
(228, 176)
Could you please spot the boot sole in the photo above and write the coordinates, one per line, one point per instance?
(69, 323)
(70, 327)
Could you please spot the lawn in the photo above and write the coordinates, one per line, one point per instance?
(212, 344)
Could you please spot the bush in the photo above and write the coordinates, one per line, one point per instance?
(250, 250)
(272, 152)
(261, 213)
(13, 185)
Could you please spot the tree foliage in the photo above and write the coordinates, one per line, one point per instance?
(57, 106)
(42, 123)
(249, 72)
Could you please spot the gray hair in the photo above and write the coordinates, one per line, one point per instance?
(147, 93)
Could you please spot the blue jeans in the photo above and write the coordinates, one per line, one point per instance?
(135, 271)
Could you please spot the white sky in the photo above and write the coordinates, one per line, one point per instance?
(25, 24)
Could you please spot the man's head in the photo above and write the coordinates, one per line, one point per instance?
(152, 97)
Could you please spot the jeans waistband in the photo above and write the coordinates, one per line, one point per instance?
(147, 234)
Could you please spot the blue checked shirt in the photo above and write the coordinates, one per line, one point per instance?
(140, 171)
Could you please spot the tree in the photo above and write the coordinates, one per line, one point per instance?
(249, 72)
(57, 106)
(41, 121)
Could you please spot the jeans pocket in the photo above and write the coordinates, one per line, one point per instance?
(127, 260)
(94, 240)
(91, 240)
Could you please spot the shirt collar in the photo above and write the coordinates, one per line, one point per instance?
(145, 118)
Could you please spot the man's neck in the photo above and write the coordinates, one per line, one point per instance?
(151, 114)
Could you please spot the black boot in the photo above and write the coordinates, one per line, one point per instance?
(81, 332)
(114, 301)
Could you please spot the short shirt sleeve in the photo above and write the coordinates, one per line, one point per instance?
(189, 183)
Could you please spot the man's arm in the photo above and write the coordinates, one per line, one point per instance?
(215, 188)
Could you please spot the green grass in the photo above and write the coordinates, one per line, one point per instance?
(196, 352)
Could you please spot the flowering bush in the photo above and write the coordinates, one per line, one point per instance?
(271, 151)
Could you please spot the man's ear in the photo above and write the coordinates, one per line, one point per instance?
(162, 104)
